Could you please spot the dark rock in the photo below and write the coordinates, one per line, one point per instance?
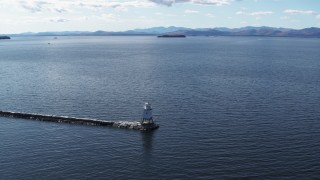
(5, 37)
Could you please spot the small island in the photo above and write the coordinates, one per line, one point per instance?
(5, 37)
(172, 36)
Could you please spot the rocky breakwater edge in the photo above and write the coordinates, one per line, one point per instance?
(136, 125)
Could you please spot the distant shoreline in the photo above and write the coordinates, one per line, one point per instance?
(263, 31)
(5, 37)
(157, 36)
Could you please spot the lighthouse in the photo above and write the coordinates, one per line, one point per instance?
(147, 114)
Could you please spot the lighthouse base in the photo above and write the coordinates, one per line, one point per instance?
(136, 125)
(149, 126)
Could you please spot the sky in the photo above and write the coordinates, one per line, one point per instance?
(19, 16)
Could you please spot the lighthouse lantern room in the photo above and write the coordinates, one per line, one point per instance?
(147, 114)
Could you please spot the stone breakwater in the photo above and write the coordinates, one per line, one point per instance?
(82, 121)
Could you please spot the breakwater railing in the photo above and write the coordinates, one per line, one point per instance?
(82, 121)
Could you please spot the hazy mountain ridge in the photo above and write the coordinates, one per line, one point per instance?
(254, 31)
(219, 31)
(158, 30)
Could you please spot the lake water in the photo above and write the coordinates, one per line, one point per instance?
(228, 107)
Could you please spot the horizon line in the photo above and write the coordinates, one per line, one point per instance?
(135, 29)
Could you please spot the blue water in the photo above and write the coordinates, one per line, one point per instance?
(228, 107)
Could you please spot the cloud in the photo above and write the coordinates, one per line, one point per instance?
(210, 15)
(203, 2)
(40, 19)
(36, 6)
(164, 14)
(33, 6)
(120, 5)
(165, 2)
(260, 13)
(294, 11)
(188, 11)
(108, 16)
(60, 20)
(284, 18)
(62, 6)
(257, 13)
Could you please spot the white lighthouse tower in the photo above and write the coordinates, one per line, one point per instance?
(147, 114)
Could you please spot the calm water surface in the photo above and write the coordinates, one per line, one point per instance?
(228, 107)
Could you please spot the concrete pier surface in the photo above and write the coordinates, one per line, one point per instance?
(137, 125)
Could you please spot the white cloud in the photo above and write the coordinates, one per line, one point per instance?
(33, 19)
(59, 20)
(61, 6)
(35, 6)
(203, 2)
(260, 13)
(294, 11)
(284, 18)
(295, 21)
(164, 14)
(106, 17)
(257, 13)
(240, 13)
(115, 4)
(210, 15)
(188, 11)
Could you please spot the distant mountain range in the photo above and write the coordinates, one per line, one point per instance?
(312, 32)
(254, 31)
